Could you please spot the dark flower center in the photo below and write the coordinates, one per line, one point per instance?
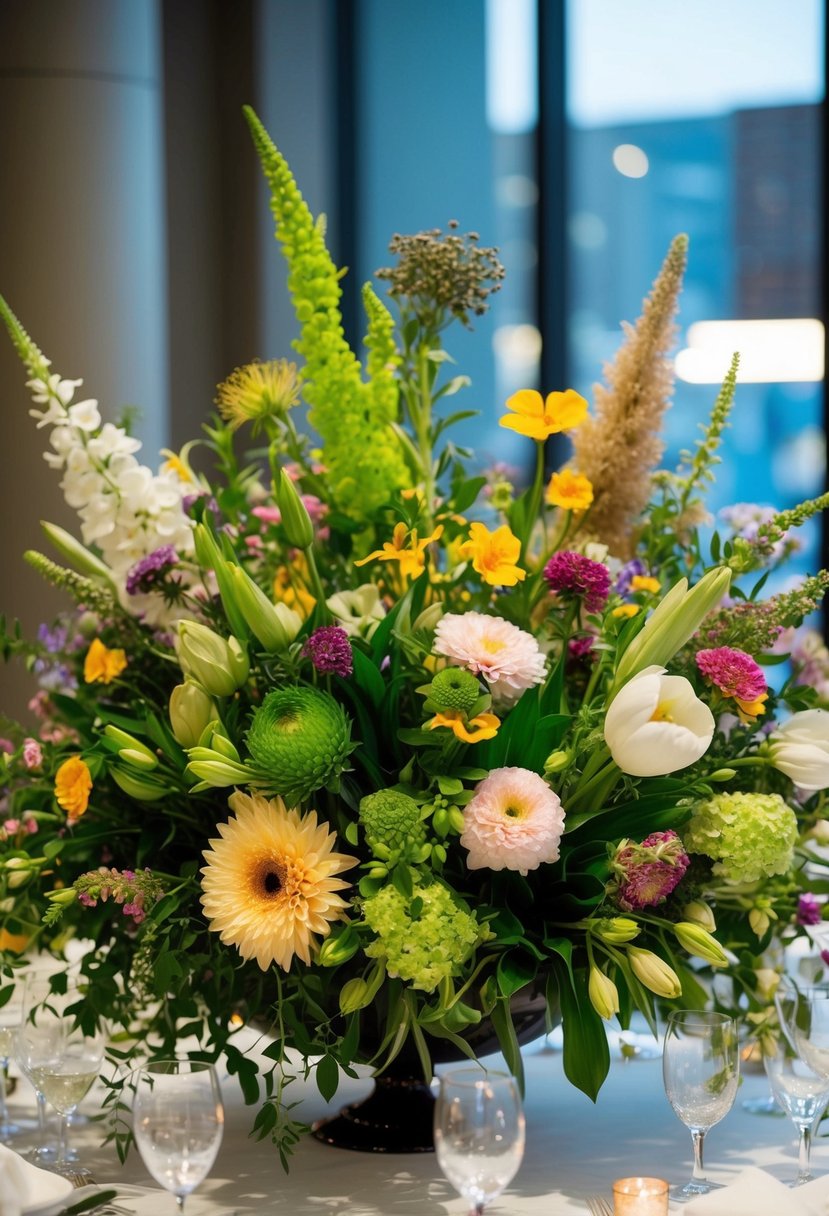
(270, 878)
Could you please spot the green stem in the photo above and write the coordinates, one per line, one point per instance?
(422, 420)
(316, 584)
(597, 788)
(534, 504)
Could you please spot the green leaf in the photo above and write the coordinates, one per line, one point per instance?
(368, 678)
(328, 1077)
(501, 1016)
(450, 786)
(515, 970)
(352, 835)
(586, 1053)
(465, 493)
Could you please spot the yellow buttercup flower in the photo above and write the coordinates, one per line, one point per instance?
(102, 666)
(539, 418)
(73, 782)
(643, 582)
(258, 391)
(475, 730)
(570, 491)
(494, 555)
(270, 885)
(627, 610)
(289, 587)
(405, 548)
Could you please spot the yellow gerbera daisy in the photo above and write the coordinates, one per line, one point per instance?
(269, 883)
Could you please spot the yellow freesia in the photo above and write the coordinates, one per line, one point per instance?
(539, 418)
(643, 582)
(102, 666)
(494, 555)
(570, 490)
(73, 782)
(289, 587)
(626, 610)
(475, 730)
(405, 548)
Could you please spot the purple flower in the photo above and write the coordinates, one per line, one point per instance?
(329, 650)
(808, 910)
(574, 574)
(631, 570)
(146, 574)
(210, 504)
(645, 874)
(53, 640)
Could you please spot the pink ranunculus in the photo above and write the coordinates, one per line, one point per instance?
(32, 753)
(268, 515)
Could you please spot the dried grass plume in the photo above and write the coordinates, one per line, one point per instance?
(619, 447)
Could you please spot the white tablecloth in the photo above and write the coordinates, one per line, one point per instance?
(573, 1149)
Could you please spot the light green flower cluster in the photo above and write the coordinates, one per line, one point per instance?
(747, 835)
(424, 939)
(392, 824)
(299, 740)
(361, 450)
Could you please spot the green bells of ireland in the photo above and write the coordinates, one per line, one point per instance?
(299, 740)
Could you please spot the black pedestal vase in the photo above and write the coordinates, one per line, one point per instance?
(397, 1116)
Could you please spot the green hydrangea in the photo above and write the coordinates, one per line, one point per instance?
(424, 939)
(454, 688)
(299, 740)
(748, 836)
(391, 820)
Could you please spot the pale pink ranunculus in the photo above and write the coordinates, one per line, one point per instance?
(507, 657)
(32, 753)
(514, 822)
(268, 515)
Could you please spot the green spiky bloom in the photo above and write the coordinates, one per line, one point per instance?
(747, 835)
(391, 819)
(33, 358)
(361, 450)
(423, 940)
(85, 590)
(454, 688)
(299, 740)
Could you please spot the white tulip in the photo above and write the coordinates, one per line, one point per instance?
(656, 725)
(800, 749)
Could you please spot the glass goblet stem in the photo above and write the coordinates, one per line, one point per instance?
(698, 1137)
(6, 1126)
(804, 1152)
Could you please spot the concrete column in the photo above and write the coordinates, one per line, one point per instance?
(82, 250)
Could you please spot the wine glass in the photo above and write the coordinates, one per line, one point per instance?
(701, 1068)
(804, 1016)
(11, 1015)
(479, 1133)
(802, 1094)
(178, 1120)
(62, 1058)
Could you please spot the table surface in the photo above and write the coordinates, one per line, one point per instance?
(573, 1149)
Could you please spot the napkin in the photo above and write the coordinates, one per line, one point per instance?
(755, 1193)
(24, 1187)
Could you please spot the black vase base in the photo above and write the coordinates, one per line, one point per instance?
(396, 1117)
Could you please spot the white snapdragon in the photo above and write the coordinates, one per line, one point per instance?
(125, 509)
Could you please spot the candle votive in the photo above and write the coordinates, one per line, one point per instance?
(640, 1197)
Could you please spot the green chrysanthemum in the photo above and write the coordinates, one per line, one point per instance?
(391, 820)
(748, 836)
(454, 688)
(299, 740)
(424, 939)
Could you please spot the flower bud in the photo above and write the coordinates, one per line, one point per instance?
(19, 872)
(219, 665)
(64, 895)
(429, 617)
(767, 981)
(722, 774)
(295, 518)
(759, 920)
(557, 762)
(191, 710)
(274, 625)
(354, 995)
(131, 749)
(698, 912)
(819, 832)
(213, 769)
(210, 557)
(603, 993)
(615, 930)
(143, 789)
(78, 556)
(339, 947)
(654, 972)
(699, 943)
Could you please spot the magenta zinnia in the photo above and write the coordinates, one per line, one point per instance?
(737, 675)
(645, 874)
(573, 574)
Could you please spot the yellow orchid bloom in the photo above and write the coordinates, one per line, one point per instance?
(405, 548)
(539, 418)
(102, 666)
(494, 555)
(475, 730)
(569, 490)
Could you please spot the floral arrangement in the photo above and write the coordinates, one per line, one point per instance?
(350, 740)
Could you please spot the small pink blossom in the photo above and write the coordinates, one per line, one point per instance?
(254, 542)
(32, 753)
(11, 826)
(268, 515)
(316, 508)
(513, 822)
(808, 910)
(6, 746)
